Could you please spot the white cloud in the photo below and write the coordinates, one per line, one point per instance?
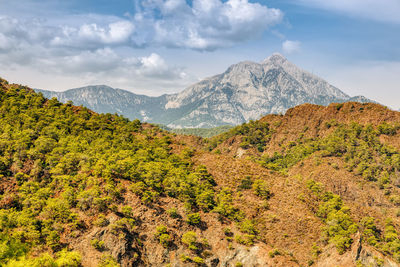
(379, 10)
(88, 53)
(204, 25)
(94, 47)
(290, 47)
(92, 35)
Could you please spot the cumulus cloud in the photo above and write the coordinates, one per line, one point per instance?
(379, 10)
(90, 46)
(93, 35)
(203, 25)
(290, 47)
(88, 52)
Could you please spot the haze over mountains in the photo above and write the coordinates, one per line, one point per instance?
(245, 91)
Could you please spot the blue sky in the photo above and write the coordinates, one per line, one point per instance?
(162, 46)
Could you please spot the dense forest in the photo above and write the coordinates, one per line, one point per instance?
(314, 186)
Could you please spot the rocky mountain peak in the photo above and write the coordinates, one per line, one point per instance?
(246, 90)
(275, 58)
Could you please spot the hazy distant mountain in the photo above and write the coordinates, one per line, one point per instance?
(104, 99)
(245, 91)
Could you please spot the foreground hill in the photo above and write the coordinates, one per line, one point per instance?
(245, 91)
(318, 186)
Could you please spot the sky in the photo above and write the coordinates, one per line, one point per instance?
(155, 47)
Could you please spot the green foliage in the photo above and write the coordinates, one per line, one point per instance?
(275, 252)
(246, 183)
(108, 261)
(173, 212)
(64, 259)
(190, 240)
(225, 205)
(387, 129)
(70, 164)
(127, 211)
(194, 218)
(68, 161)
(68, 259)
(339, 224)
(184, 258)
(261, 189)
(254, 134)
(392, 241)
(162, 235)
(246, 239)
(97, 244)
(101, 221)
(358, 145)
(370, 231)
(198, 260)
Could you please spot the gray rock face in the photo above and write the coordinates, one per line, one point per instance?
(245, 91)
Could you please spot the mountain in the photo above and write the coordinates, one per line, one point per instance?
(317, 186)
(245, 91)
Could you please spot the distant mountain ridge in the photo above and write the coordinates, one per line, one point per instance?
(245, 91)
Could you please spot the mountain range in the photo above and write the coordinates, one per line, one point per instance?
(245, 91)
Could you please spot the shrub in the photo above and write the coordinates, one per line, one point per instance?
(193, 218)
(173, 213)
(184, 258)
(261, 189)
(198, 260)
(248, 227)
(162, 235)
(108, 261)
(97, 244)
(165, 240)
(246, 183)
(127, 211)
(68, 259)
(101, 221)
(275, 252)
(190, 239)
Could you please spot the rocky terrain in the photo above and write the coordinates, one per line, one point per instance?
(245, 91)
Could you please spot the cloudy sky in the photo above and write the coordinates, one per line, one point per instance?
(161, 46)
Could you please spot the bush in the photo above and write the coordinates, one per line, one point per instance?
(261, 189)
(275, 252)
(162, 235)
(68, 259)
(194, 218)
(198, 260)
(246, 183)
(165, 240)
(101, 221)
(173, 213)
(190, 240)
(97, 244)
(108, 261)
(248, 227)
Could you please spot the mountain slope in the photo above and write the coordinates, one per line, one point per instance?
(245, 91)
(318, 186)
(104, 99)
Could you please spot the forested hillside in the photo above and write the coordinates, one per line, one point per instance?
(318, 186)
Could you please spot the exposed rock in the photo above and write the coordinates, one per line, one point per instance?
(245, 91)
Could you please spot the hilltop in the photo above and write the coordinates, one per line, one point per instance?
(318, 186)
